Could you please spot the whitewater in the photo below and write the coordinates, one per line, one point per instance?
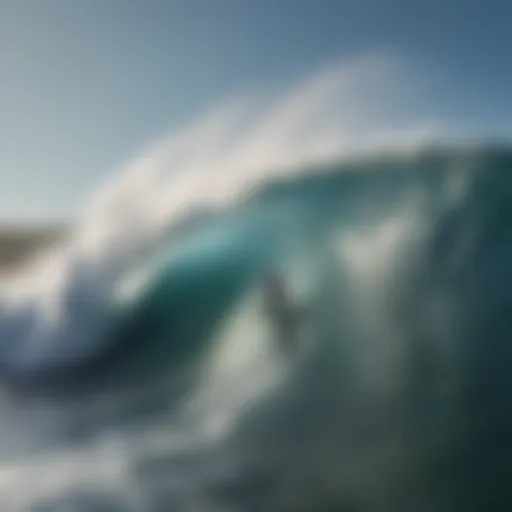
(140, 372)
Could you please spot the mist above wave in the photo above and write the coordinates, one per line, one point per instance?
(61, 309)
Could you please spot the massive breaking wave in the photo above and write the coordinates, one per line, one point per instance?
(141, 358)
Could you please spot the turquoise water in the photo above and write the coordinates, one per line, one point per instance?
(397, 396)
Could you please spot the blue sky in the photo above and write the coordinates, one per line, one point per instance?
(85, 84)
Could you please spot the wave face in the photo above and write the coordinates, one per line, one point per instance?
(397, 397)
(141, 371)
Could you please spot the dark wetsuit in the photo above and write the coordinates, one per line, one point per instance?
(282, 313)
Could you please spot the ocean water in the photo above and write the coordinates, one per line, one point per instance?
(396, 397)
(141, 371)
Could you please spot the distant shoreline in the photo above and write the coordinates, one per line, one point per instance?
(18, 244)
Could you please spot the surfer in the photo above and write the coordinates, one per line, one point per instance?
(281, 311)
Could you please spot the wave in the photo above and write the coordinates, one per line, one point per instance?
(396, 247)
(403, 266)
(61, 311)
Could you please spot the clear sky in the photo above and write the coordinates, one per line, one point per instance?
(85, 84)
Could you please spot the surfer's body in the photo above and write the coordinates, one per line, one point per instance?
(283, 314)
